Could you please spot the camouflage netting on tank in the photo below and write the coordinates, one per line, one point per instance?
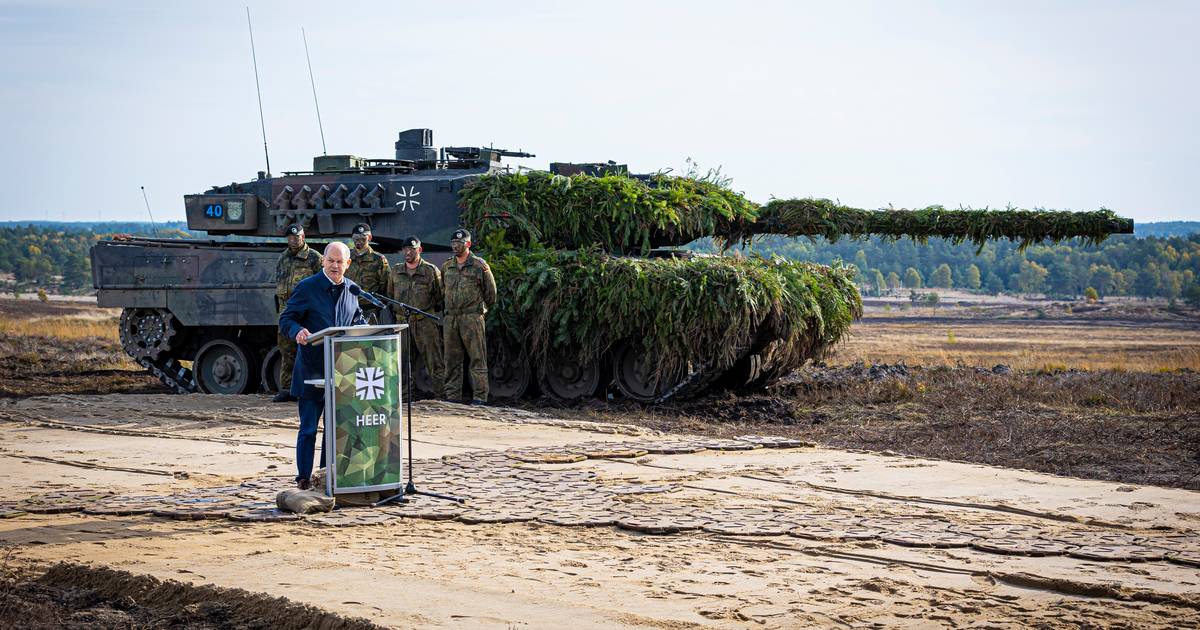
(687, 313)
(616, 212)
(699, 314)
(813, 217)
(621, 213)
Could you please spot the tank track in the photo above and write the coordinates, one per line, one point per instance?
(171, 372)
(701, 380)
(149, 336)
(689, 386)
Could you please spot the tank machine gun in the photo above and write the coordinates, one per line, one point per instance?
(212, 302)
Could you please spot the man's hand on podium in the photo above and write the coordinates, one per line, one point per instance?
(302, 337)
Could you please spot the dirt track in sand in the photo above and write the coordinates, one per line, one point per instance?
(409, 572)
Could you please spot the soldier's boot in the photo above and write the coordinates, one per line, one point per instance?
(452, 347)
(287, 360)
(474, 337)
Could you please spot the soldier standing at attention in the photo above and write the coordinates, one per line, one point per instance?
(418, 283)
(470, 289)
(296, 263)
(369, 270)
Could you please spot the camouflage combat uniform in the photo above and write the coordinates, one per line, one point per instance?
(422, 288)
(369, 270)
(289, 271)
(470, 289)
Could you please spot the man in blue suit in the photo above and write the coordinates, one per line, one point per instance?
(318, 302)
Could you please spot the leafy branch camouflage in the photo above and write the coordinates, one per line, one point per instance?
(686, 312)
(706, 311)
(822, 217)
(627, 214)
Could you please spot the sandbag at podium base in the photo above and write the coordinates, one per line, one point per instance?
(303, 501)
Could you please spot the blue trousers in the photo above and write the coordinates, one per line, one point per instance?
(311, 410)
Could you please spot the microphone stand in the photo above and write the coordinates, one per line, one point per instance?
(409, 309)
(411, 488)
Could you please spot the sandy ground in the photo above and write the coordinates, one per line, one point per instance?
(410, 572)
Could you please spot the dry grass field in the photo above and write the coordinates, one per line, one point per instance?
(64, 347)
(1128, 339)
(63, 319)
(1132, 427)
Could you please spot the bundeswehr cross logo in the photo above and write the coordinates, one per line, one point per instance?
(408, 198)
(368, 383)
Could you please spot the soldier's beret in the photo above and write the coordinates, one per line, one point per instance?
(410, 241)
(460, 235)
(295, 228)
(361, 228)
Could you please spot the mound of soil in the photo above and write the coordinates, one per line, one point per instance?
(78, 596)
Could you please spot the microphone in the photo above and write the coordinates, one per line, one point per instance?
(366, 295)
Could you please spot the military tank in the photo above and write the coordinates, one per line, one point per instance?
(595, 295)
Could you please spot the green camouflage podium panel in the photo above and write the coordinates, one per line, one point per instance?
(363, 409)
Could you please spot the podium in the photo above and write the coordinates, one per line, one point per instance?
(363, 401)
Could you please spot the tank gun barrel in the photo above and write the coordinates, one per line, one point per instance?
(822, 217)
(622, 213)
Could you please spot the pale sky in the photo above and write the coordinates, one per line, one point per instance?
(1066, 105)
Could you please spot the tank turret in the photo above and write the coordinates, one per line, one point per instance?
(415, 193)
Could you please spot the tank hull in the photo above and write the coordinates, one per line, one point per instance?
(190, 303)
(201, 316)
(181, 296)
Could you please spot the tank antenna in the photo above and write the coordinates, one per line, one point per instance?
(147, 200)
(257, 87)
(314, 89)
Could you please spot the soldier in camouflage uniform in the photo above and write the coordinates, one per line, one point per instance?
(418, 283)
(296, 263)
(368, 269)
(470, 289)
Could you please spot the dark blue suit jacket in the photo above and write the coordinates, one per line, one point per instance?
(313, 305)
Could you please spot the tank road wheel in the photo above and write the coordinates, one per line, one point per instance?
(564, 378)
(147, 332)
(508, 370)
(270, 373)
(223, 367)
(633, 372)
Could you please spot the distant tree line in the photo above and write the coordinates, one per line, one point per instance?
(1166, 267)
(55, 256)
(1167, 228)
